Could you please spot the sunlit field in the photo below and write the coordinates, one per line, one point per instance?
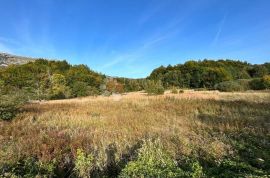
(227, 134)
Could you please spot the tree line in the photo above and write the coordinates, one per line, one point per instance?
(208, 73)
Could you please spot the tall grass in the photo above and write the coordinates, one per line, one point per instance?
(217, 130)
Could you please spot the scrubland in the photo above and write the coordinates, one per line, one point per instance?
(205, 133)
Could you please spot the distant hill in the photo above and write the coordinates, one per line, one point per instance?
(8, 59)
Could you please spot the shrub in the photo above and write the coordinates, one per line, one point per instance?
(266, 81)
(229, 86)
(174, 90)
(8, 110)
(83, 164)
(245, 83)
(10, 104)
(29, 167)
(153, 87)
(152, 161)
(256, 84)
(197, 170)
(79, 89)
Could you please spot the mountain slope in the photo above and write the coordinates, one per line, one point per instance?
(8, 59)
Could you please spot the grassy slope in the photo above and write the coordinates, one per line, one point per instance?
(228, 133)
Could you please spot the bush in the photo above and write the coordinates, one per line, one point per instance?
(266, 81)
(153, 87)
(83, 164)
(257, 84)
(10, 104)
(79, 89)
(8, 110)
(181, 91)
(153, 161)
(197, 170)
(229, 86)
(174, 90)
(245, 83)
(29, 167)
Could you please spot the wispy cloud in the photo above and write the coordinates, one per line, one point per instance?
(220, 28)
(156, 38)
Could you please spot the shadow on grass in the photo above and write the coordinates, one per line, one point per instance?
(246, 127)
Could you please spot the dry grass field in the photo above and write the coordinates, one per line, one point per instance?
(208, 126)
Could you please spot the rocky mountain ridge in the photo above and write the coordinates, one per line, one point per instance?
(9, 59)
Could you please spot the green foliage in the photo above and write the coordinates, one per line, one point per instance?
(260, 83)
(207, 73)
(258, 71)
(257, 84)
(229, 86)
(10, 103)
(153, 87)
(174, 90)
(59, 89)
(197, 170)
(8, 110)
(29, 167)
(83, 164)
(131, 84)
(43, 79)
(79, 89)
(152, 161)
(266, 81)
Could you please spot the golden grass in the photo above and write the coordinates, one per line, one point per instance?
(193, 122)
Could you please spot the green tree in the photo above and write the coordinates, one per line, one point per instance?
(154, 87)
(59, 89)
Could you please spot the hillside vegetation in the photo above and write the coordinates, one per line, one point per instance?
(207, 73)
(45, 79)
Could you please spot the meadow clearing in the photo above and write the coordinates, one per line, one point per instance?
(224, 134)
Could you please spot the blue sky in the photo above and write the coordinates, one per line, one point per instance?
(130, 38)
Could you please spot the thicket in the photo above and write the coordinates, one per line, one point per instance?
(245, 84)
(154, 87)
(208, 73)
(43, 79)
(10, 102)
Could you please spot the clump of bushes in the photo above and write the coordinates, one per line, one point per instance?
(29, 167)
(10, 104)
(80, 89)
(152, 161)
(245, 84)
(84, 163)
(229, 86)
(260, 83)
(266, 81)
(154, 87)
(8, 110)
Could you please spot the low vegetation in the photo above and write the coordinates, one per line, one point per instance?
(193, 134)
